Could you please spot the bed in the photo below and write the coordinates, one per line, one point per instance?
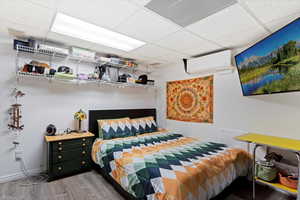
(164, 165)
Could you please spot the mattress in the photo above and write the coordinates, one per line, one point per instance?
(168, 166)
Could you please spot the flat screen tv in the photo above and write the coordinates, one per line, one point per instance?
(273, 64)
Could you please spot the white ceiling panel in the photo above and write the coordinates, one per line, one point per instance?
(106, 13)
(140, 2)
(24, 30)
(279, 23)
(274, 13)
(134, 56)
(55, 37)
(46, 3)
(147, 26)
(188, 43)
(229, 27)
(106, 50)
(27, 13)
(153, 51)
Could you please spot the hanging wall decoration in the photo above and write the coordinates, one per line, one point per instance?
(15, 112)
(190, 100)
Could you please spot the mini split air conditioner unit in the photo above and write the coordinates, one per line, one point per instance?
(211, 63)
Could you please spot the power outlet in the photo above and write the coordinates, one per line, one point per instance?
(18, 155)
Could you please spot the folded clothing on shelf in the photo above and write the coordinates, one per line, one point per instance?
(83, 76)
(62, 75)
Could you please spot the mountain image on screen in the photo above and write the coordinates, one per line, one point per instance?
(273, 64)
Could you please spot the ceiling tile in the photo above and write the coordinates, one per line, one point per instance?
(232, 26)
(106, 50)
(25, 31)
(27, 13)
(140, 2)
(274, 13)
(147, 26)
(55, 37)
(46, 3)
(156, 53)
(188, 12)
(99, 12)
(279, 23)
(188, 43)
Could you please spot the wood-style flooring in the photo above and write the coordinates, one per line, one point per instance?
(92, 186)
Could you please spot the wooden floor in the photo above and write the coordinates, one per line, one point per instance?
(92, 186)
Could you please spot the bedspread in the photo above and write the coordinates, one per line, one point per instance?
(168, 166)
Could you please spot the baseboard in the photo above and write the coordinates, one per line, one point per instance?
(19, 175)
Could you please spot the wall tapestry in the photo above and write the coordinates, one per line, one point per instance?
(190, 100)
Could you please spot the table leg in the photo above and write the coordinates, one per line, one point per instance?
(254, 171)
(298, 189)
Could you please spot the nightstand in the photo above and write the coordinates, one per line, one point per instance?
(69, 154)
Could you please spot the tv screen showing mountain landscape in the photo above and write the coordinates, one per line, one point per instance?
(273, 64)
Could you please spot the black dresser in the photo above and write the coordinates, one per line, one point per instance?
(69, 154)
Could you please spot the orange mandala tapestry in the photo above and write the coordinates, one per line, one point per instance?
(191, 100)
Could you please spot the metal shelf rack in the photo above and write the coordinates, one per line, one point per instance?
(259, 140)
(50, 55)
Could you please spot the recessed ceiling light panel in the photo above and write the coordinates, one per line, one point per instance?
(76, 28)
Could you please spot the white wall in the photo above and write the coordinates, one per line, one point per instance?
(55, 103)
(234, 114)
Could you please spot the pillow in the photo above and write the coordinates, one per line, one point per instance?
(143, 125)
(114, 128)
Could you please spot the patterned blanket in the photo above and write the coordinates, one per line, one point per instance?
(168, 166)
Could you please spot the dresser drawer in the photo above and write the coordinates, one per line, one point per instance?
(71, 144)
(81, 152)
(70, 167)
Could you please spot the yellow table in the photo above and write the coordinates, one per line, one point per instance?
(277, 142)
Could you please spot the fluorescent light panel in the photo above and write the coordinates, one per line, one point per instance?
(70, 26)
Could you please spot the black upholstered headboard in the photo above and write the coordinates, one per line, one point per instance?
(95, 115)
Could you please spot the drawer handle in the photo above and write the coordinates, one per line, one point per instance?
(83, 162)
(83, 144)
(83, 152)
(60, 148)
(59, 157)
(60, 143)
(83, 139)
(59, 168)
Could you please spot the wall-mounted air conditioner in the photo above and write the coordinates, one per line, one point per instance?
(219, 62)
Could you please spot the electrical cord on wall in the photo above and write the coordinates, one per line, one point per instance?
(29, 179)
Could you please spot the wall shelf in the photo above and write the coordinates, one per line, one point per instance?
(51, 55)
(41, 77)
(31, 53)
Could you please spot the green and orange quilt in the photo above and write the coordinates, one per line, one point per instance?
(168, 166)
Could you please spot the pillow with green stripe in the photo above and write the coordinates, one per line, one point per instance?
(143, 125)
(114, 128)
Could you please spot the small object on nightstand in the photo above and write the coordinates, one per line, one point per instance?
(51, 130)
(69, 154)
(80, 115)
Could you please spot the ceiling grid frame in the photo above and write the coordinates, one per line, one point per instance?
(53, 5)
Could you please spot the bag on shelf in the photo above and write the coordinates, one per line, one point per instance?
(65, 69)
(36, 67)
(100, 71)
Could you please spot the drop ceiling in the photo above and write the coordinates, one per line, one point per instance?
(233, 23)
